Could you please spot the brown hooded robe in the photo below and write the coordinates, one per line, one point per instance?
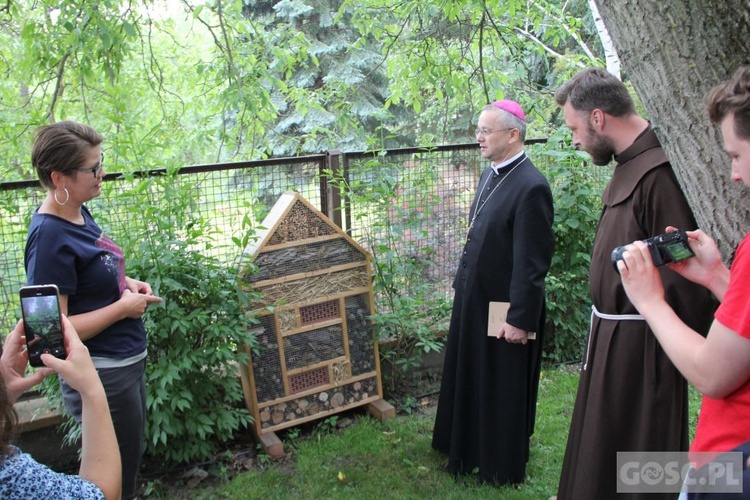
(630, 395)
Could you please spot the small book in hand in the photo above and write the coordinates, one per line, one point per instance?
(498, 313)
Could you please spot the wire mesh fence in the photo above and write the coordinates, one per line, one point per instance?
(411, 201)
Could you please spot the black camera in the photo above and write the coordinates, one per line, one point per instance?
(665, 248)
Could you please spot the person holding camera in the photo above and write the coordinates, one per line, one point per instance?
(630, 396)
(719, 364)
(21, 477)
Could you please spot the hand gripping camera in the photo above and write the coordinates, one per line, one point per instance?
(665, 248)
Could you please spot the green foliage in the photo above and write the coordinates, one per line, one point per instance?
(220, 81)
(263, 459)
(467, 53)
(197, 335)
(576, 191)
(399, 203)
(291, 437)
(408, 405)
(326, 426)
(395, 458)
(334, 86)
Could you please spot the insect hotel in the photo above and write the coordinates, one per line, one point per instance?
(315, 353)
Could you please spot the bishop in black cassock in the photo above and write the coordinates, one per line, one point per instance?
(486, 409)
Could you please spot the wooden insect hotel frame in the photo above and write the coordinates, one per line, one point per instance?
(316, 355)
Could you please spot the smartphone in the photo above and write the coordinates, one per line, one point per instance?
(40, 306)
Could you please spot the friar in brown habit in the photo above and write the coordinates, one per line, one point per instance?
(630, 396)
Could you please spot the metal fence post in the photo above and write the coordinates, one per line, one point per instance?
(330, 195)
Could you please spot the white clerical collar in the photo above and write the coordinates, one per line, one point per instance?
(499, 167)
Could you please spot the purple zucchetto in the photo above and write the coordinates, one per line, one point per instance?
(511, 107)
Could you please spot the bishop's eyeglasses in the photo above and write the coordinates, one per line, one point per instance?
(484, 132)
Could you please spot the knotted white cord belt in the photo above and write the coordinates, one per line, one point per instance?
(611, 317)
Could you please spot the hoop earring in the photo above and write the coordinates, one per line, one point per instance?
(67, 197)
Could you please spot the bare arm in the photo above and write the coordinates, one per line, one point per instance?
(706, 268)
(132, 304)
(92, 323)
(100, 462)
(716, 365)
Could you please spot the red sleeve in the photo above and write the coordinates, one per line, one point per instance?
(734, 311)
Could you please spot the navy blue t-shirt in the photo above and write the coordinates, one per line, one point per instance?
(89, 268)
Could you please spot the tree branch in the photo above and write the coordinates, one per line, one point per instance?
(572, 33)
(533, 38)
(57, 94)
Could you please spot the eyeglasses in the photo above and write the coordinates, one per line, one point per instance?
(96, 168)
(484, 132)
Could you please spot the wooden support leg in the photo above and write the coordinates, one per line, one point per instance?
(271, 444)
(381, 409)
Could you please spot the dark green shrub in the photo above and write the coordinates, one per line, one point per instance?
(576, 190)
(195, 399)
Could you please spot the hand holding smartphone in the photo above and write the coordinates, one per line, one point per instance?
(40, 307)
(13, 363)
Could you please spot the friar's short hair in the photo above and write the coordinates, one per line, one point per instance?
(596, 88)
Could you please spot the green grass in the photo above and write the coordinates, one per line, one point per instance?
(394, 459)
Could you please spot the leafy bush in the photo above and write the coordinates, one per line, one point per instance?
(409, 314)
(396, 205)
(576, 193)
(195, 399)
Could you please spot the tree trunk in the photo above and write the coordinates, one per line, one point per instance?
(674, 52)
(610, 53)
